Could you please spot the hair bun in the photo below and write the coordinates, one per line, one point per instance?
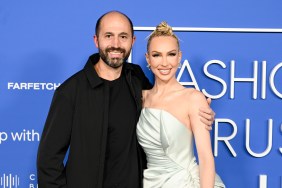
(164, 29)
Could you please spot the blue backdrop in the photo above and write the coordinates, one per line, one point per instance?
(231, 52)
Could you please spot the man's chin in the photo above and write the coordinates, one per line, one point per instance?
(116, 65)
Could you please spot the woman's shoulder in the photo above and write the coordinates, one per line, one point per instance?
(194, 95)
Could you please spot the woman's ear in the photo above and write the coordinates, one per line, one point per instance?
(180, 56)
(147, 57)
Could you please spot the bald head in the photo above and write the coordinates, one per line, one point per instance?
(113, 15)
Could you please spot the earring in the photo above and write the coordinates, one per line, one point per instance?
(180, 65)
(148, 66)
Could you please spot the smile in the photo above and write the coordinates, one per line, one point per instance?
(115, 54)
(164, 71)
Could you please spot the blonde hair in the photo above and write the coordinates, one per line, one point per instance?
(163, 29)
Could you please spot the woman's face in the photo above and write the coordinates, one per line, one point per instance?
(163, 57)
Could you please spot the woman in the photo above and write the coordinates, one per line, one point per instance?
(169, 121)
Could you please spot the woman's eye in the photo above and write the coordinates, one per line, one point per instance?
(155, 55)
(172, 54)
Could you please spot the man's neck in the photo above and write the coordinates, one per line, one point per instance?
(106, 72)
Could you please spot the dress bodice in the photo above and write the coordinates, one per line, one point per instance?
(168, 145)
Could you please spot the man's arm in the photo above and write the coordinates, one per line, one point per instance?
(54, 144)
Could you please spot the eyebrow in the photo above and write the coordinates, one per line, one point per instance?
(111, 33)
(124, 33)
(166, 52)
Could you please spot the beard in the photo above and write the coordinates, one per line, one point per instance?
(114, 62)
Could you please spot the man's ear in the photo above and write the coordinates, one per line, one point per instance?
(133, 40)
(95, 38)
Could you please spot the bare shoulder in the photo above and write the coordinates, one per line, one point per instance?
(195, 96)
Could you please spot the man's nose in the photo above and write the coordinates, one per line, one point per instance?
(115, 42)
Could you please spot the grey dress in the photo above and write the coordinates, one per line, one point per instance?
(168, 145)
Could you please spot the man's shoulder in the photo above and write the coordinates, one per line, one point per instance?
(133, 66)
(138, 73)
(135, 69)
(72, 81)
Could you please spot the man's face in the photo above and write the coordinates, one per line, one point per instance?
(114, 39)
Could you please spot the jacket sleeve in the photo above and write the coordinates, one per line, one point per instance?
(54, 143)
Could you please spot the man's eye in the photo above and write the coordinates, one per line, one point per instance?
(124, 37)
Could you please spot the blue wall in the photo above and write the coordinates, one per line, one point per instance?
(44, 42)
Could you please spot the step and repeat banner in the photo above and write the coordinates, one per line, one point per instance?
(232, 52)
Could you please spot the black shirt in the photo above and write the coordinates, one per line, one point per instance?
(121, 162)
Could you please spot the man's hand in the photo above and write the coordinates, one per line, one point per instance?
(207, 116)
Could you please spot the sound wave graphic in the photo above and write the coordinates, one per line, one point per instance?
(9, 181)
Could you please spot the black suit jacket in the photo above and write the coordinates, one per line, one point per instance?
(77, 120)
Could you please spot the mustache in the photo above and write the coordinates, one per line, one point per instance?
(115, 49)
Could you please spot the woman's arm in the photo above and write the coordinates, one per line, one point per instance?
(202, 139)
(207, 115)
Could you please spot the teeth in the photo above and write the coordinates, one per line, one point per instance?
(115, 54)
(164, 71)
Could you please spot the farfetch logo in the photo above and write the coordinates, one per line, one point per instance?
(32, 86)
(9, 181)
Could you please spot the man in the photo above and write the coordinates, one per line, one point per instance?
(94, 114)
